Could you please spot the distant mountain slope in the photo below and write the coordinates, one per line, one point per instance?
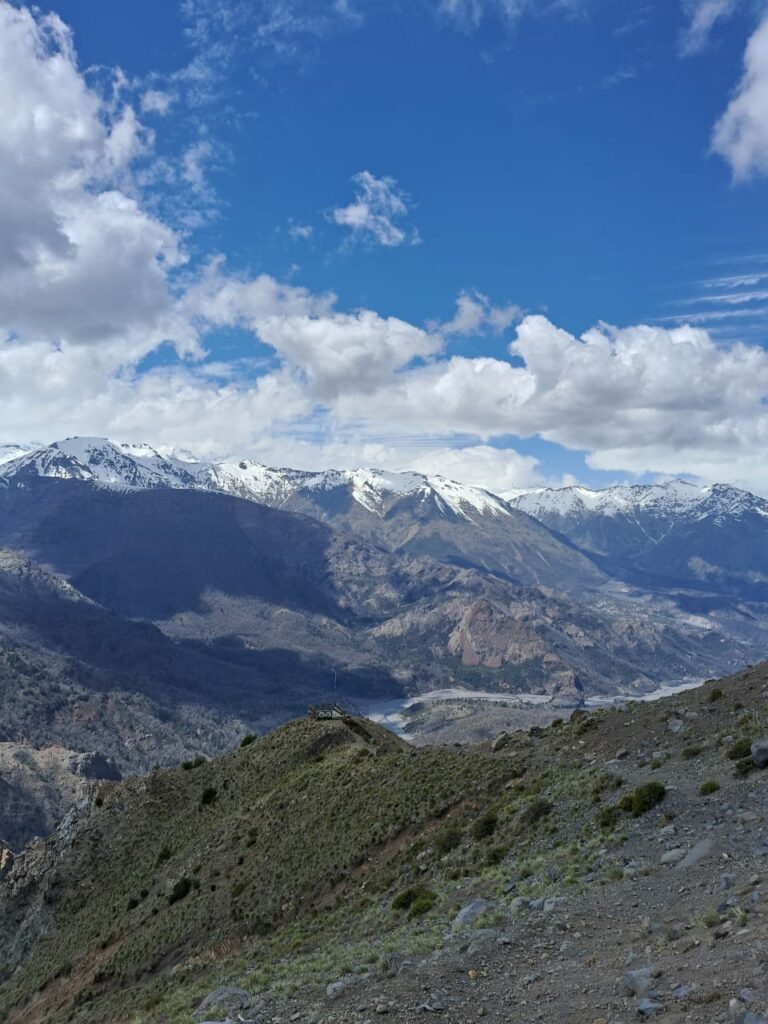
(709, 538)
(454, 523)
(254, 583)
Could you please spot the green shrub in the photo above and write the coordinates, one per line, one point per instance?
(642, 799)
(447, 839)
(180, 889)
(608, 817)
(194, 763)
(532, 814)
(417, 900)
(710, 786)
(744, 766)
(485, 826)
(740, 749)
(715, 695)
(693, 751)
(605, 781)
(208, 796)
(496, 855)
(246, 741)
(165, 854)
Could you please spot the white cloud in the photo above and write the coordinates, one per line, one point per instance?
(346, 354)
(642, 392)
(300, 232)
(71, 234)
(378, 204)
(741, 134)
(157, 101)
(475, 313)
(704, 15)
(92, 282)
(468, 14)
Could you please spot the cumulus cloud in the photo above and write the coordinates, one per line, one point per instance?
(71, 234)
(373, 216)
(475, 314)
(703, 15)
(640, 391)
(92, 281)
(741, 134)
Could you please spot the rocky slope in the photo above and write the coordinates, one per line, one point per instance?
(253, 582)
(711, 540)
(606, 869)
(38, 787)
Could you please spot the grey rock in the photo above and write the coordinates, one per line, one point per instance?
(338, 988)
(749, 1017)
(675, 726)
(639, 981)
(760, 753)
(467, 916)
(225, 999)
(696, 854)
(519, 903)
(748, 996)
(501, 741)
(647, 1008)
(672, 856)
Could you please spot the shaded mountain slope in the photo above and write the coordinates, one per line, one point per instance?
(708, 539)
(248, 580)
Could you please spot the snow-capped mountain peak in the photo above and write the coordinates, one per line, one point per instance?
(139, 466)
(674, 499)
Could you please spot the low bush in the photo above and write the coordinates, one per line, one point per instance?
(208, 796)
(533, 813)
(181, 888)
(693, 751)
(715, 695)
(485, 826)
(194, 763)
(417, 900)
(608, 817)
(643, 799)
(447, 839)
(740, 749)
(710, 786)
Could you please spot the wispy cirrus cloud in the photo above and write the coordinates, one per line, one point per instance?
(377, 213)
(703, 15)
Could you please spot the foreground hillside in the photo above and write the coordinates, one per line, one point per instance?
(600, 869)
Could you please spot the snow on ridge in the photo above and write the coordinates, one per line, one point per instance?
(672, 498)
(140, 466)
(10, 451)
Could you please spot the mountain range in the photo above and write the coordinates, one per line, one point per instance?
(155, 607)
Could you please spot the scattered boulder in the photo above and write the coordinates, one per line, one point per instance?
(467, 916)
(696, 854)
(225, 1000)
(639, 981)
(673, 856)
(337, 988)
(760, 753)
(675, 725)
(501, 741)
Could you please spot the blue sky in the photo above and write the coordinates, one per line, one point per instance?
(553, 163)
